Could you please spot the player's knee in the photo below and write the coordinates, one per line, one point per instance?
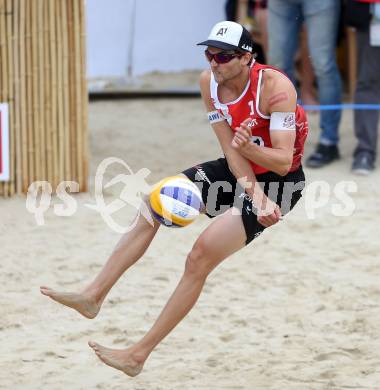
(146, 218)
(199, 263)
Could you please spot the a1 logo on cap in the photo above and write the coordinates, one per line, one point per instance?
(222, 31)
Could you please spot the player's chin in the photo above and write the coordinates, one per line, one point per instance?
(218, 78)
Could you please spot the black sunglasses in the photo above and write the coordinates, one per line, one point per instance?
(222, 57)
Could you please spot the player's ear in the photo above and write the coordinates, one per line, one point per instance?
(246, 59)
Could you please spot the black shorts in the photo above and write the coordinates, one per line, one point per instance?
(220, 191)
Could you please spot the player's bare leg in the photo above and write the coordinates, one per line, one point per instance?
(223, 237)
(129, 249)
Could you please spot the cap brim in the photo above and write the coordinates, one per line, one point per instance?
(218, 44)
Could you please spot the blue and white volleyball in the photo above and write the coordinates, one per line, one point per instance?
(176, 201)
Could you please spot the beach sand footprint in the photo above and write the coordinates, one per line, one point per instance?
(212, 362)
(227, 337)
(331, 356)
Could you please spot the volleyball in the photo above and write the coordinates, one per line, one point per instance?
(176, 201)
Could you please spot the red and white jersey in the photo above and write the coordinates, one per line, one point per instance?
(247, 106)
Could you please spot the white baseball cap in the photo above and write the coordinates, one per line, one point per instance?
(229, 36)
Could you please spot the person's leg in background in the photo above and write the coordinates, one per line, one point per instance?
(230, 10)
(367, 92)
(307, 75)
(259, 30)
(284, 22)
(322, 21)
(261, 15)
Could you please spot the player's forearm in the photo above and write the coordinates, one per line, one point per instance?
(276, 160)
(238, 164)
(242, 170)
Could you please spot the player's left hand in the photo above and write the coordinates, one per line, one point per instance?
(242, 136)
(268, 213)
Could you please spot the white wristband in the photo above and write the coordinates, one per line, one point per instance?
(215, 117)
(282, 121)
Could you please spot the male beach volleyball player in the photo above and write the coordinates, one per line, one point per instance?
(252, 109)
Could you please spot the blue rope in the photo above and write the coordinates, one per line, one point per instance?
(342, 107)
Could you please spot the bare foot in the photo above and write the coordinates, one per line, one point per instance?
(121, 359)
(86, 306)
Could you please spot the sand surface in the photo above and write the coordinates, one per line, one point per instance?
(298, 309)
